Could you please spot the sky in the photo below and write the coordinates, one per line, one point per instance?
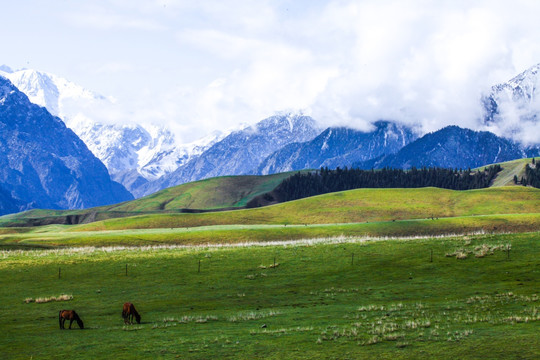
(199, 66)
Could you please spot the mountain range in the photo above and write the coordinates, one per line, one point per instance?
(43, 164)
(512, 109)
(339, 146)
(146, 158)
(450, 147)
(133, 153)
(241, 151)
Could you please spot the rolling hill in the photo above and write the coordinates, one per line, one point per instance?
(219, 193)
(353, 206)
(214, 194)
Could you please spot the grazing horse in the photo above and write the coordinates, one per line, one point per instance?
(128, 312)
(70, 315)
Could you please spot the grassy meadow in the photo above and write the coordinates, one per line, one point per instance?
(210, 194)
(354, 206)
(367, 273)
(448, 297)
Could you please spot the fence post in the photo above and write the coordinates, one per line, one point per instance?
(199, 266)
(431, 255)
(59, 273)
(126, 269)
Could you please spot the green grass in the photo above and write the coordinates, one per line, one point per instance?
(209, 194)
(389, 301)
(233, 234)
(214, 193)
(510, 168)
(352, 206)
(362, 212)
(226, 192)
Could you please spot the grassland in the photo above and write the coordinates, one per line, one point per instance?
(354, 206)
(214, 193)
(362, 212)
(397, 299)
(210, 194)
(380, 278)
(222, 193)
(509, 170)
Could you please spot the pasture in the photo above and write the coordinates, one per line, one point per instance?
(446, 297)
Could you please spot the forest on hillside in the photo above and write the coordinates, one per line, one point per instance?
(324, 181)
(532, 175)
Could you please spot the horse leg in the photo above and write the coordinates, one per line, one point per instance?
(62, 323)
(70, 322)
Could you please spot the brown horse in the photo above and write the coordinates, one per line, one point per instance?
(128, 312)
(70, 315)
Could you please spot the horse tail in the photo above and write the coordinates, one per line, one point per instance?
(60, 318)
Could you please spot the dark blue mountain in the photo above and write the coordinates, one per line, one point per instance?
(43, 164)
(450, 147)
(339, 146)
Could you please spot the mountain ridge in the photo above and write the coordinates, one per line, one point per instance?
(43, 163)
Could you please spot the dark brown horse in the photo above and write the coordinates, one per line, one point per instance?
(128, 312)
(70, 315)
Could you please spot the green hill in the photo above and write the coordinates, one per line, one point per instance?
(214, 193)
(509, 170)
(354, 206)
(226, 192)
(234, 192)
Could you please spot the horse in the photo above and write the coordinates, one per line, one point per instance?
(70, 315)
(128, 312)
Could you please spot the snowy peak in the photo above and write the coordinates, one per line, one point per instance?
(50, 91)
(123, 147)
(241, 151)
(339, 146)
(512, 109)
(450, 147)
(43, 163)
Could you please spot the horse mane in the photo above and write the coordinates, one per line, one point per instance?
(78, 319)
(137, 316)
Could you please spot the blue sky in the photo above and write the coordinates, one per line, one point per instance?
(197, 66)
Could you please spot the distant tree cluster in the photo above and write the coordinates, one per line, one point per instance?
(532, 175)
(324, 181)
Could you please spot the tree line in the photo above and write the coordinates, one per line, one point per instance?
(532, 175)
(324, 181)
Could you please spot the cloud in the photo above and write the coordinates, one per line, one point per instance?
(354, 62)
(345, 62)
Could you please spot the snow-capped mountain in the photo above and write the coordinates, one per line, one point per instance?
(512, 109)
(450, 147)
(147, 152)
(339, 146)
(241, 151)
(44, 164)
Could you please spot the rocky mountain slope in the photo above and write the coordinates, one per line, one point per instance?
(43, 164)
(132, 153)
(339, 146)
(450, 147)
(512, 109)
(241, 151)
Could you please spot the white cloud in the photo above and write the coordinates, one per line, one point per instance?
(214, 64)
